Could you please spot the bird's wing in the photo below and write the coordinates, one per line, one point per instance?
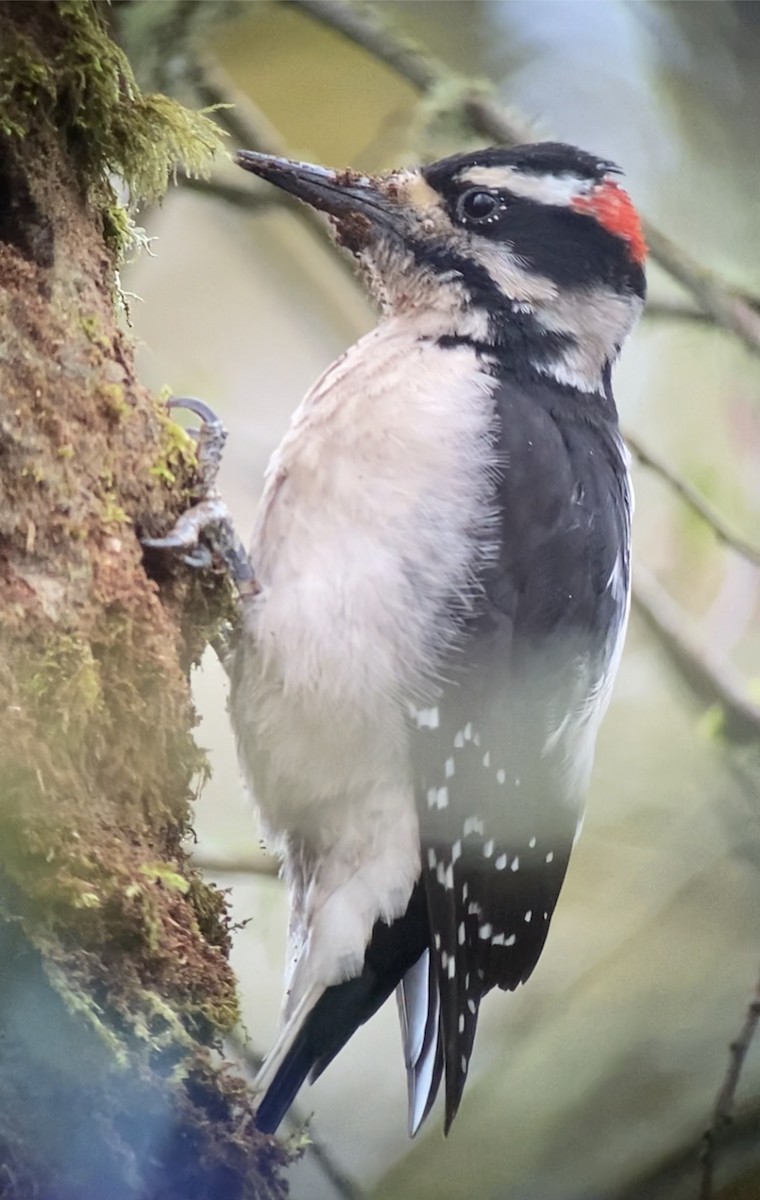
(503, 753)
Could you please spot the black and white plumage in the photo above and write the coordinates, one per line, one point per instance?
(442, 556)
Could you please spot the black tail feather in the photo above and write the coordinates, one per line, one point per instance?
(342, 1008)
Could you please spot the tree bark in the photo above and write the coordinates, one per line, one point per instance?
(115, 984)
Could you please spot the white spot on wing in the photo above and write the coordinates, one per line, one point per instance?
(428, 718)
(501, 862)
(515, 863)
(472, 825)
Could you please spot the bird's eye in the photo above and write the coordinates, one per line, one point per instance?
(476, 205)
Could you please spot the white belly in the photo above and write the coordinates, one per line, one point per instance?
(370, 521)
(367, 527)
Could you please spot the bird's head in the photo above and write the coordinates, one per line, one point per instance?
(534, 251)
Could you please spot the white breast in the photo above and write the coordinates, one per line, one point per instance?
(369, 522)
(366, 527)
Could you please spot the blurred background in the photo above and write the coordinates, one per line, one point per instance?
(597, 1079)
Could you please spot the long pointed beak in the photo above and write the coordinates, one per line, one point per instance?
(340, 194)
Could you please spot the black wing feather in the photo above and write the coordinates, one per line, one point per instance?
(500, 777)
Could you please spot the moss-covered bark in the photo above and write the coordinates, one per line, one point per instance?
(114, 979)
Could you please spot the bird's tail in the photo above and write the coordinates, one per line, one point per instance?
(310, 1041)
(324, 1020)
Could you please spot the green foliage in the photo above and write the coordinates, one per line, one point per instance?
(85, 88)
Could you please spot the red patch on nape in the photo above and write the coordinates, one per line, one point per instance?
(613, 209)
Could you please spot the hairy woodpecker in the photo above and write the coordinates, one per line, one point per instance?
(442, 589)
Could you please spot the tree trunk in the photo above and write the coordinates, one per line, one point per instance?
(114, 979)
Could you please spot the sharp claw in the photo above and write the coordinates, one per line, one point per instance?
(200, 559)
(211, 522)
(205, 532)
(210, 438)
(193, 405)
(170, 542)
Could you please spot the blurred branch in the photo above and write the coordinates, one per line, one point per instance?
(668, 310)
(695, 501)
(662, 310)
(344, 1185)
(726, 307)
(711, 677)
(488, 117)
(673, 1178)
(223, 865)
(235, 112)
(725, 1100)
(249, 129)
(360, 26)
(249, 199)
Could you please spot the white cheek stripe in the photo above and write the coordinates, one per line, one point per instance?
(547, 189)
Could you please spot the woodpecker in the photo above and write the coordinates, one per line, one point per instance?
(442, 589)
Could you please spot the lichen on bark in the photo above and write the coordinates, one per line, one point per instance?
(115, 986)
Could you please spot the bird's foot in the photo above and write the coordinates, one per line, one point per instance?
(204, 536)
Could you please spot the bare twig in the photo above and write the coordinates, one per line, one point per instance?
(224, 865)
(695, 500)
(488, 117)
(661, 310)
(671, 311)
(673, 1176)
(249, 199)
(726, 307)
(725, 1099)
(344, 1185)
(709, 676)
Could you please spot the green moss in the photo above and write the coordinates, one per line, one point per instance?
(79, 1004)
(113, 513)
(177, 456)
(26, 84)
(114, 401)
(93, 331)
(65, 685)
(87, 91)
(166, 875)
